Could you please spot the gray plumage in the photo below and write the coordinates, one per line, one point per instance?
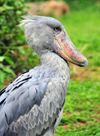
(32, 104)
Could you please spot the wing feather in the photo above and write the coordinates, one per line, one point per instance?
(40, 117)
(30, 105)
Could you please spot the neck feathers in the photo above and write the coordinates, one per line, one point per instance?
(58, 65)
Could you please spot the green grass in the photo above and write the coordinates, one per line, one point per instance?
(82, 110)
(81, 116)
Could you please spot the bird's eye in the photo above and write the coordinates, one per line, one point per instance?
(57, 29)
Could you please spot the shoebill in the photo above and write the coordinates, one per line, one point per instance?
(32, 105)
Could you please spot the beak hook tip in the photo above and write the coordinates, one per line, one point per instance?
(85, 63)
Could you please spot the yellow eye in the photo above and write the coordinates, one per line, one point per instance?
(56, 29)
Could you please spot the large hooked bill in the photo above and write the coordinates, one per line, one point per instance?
(68, 51)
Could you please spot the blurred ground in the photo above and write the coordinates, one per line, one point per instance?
(55, 8)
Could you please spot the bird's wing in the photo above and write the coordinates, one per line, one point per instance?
(29, 103)
(43, 115)
(7, 91)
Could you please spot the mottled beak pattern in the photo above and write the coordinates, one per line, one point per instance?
(68, 51)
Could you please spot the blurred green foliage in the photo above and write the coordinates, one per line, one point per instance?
(13, 55)
(10, 35)
(79, 4)
(10, 12)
